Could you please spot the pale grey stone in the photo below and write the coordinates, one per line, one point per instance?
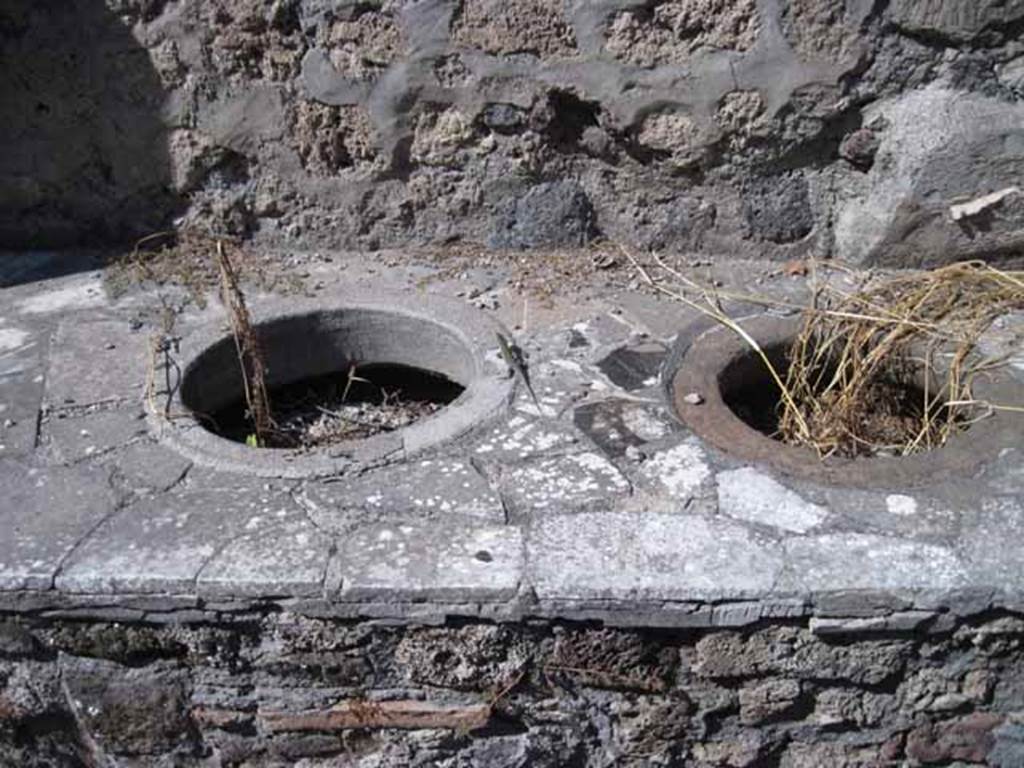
(435, 488)
(160, 544)
(149, 466)
(990, 541)
(429, 560)
(44, 514)
(96, 361)
(844, 561)
(73, 437)
(287, 560)
(22, 355)
(646, 557)
(754, 496)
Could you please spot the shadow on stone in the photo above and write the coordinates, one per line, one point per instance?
(85, 158)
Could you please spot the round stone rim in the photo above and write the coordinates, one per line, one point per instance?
(488, 389)
(704, 349)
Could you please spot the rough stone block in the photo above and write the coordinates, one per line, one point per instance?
(531, 26)
(768, 701)
(550, 214)
(358, 713)
(969, 738)
(1008, 750)
(670, 32)
(473, 658)
(834, 706)
(130, 712)
(937, 148)
(615, 659)
(957, 20)
(797, 653)
(778, 209)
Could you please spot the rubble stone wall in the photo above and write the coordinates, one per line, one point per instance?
(756, 128)
(273, 688)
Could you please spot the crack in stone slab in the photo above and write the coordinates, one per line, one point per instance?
(119, 506)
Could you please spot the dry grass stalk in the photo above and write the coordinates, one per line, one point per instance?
(887, 369)
(181, 259)
(709, 303)
(250, 356)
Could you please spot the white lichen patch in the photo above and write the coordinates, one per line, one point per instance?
(897, 504)
(643, 424)
(747, 494)
(680, 470)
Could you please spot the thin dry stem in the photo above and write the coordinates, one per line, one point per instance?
(888, 368)
(250, 356)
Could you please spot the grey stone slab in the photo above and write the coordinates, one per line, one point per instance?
(429, 560)
(661, 317)
(555, 484)
(43, 516)
(72, 437)
(435, 488)
(747, 494)
(160, 544)
(521, 437)
(614, 424)
(647, 557)
(96, 361)
(287, 560)
(22, 350)
(148, 466)
(846, 561)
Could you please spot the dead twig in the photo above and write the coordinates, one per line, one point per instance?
(247, 347)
